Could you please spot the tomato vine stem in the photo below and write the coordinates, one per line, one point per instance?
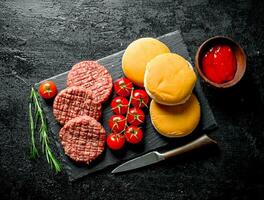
(128, 107)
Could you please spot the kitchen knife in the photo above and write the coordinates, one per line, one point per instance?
(154, 156)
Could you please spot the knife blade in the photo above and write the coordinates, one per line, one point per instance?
(141, 161)
(155, 157)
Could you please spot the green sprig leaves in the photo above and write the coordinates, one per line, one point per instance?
(38, 122)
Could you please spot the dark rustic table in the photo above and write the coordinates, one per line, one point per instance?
(40, 39)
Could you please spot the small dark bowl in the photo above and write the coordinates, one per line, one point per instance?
(237, 50)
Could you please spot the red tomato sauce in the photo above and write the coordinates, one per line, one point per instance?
(219, 64)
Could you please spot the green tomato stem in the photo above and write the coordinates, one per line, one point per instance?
(128, 107)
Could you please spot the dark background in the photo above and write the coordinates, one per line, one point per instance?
(39, 39)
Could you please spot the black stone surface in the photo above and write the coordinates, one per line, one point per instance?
(40, 39)
(152, 140)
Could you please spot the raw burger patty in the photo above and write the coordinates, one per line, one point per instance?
(73, 102)
(93, 76)
(83, 139)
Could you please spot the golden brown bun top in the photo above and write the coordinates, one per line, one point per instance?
(138, 54)
(169, 79)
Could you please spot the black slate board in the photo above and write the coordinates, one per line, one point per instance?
(152, 140)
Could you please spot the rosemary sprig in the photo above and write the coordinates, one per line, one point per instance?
(33, 149)
(43, 132)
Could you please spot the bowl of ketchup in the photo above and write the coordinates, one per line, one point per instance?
(220, 61)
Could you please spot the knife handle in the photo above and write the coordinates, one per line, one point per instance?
(199, 142)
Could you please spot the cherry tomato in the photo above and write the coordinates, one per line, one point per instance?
(119, 105)
(133, 134)
(140, 99)
(48, 89)
(117, 123)
(115, 141)
(123, 87)
(135, 116)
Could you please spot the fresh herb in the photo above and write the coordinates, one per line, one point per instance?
(33, 149)
(38, 122)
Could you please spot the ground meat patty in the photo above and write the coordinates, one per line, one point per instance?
(83, 139)
(74, 102)
(93, 76)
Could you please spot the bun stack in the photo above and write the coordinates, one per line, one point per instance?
(169, 80)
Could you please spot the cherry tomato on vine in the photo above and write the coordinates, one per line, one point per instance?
(119, 105)
(47, 89)
(117, 123)
(133, 134)
(123, 87)
(115, 141)
(140, 99)
(135, 116)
